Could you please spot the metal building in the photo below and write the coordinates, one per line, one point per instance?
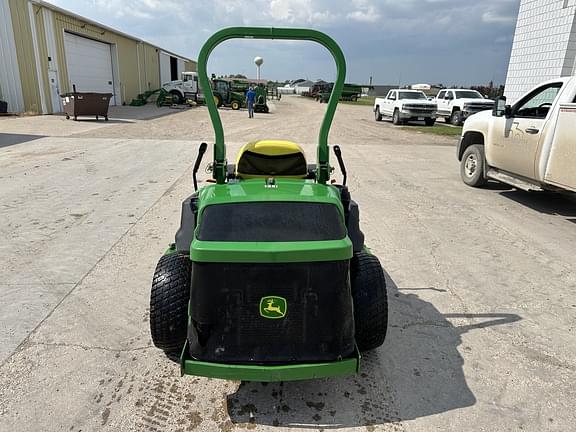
(544, 45)
(45, 50)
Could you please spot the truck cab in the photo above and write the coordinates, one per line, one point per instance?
(456, 105)
(184, 88)
(529, 145)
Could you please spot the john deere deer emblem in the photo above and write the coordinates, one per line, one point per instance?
(273, 307)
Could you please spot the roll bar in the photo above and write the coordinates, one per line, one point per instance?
(323, 154)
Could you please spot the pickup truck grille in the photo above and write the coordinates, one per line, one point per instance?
(479, 107)
(420, 109)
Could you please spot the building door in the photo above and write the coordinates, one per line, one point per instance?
(89, 65)
(54, 91)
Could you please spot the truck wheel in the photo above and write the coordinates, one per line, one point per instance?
(235, 105)
(378, 114)
(472, 166)
(396, 117)
(176, 98)
(370, 301)
(169, 302)
(429, 121)
(456, 118)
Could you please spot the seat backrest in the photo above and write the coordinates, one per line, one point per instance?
(271, 158)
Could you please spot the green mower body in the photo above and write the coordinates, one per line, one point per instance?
(269, 278)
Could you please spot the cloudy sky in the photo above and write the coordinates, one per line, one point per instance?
(394, 41)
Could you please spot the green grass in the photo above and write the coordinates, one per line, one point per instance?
(368, 100)
(437, 129)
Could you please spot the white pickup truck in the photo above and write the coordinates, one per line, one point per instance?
(530, 145)
(182, 89)
(404, 105)
(456, 105)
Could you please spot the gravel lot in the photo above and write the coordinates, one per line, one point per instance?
(481, 283)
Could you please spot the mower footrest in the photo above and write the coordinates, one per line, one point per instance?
(275, 373)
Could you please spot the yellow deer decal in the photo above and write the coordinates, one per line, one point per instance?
(271, 308)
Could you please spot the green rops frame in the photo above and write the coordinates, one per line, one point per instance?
(323, 154)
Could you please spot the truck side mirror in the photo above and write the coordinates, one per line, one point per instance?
(500, 108)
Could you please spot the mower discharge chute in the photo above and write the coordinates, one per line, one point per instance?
(269, 278)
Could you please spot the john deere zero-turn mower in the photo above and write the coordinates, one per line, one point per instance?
(269, 278)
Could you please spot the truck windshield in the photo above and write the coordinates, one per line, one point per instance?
(468, 94)
(411, 95)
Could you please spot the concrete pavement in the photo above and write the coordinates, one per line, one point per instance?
(481, 287)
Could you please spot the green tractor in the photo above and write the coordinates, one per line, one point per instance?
(261, 104)
(350, 92)
(223, 95)
(269, 278)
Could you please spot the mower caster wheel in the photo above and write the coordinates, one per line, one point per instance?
(370, 301)
(169, 302)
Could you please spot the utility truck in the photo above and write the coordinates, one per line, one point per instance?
(183, 89)
(530, 145)
(456, 105)
(404, 105)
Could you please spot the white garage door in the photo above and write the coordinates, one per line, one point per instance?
(165, 75)
(89, 65)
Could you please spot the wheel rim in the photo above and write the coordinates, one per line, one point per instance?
(216, 100)
(471, 165)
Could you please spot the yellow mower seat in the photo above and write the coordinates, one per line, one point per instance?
(271, 158)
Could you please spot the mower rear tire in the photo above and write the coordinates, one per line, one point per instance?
(235, 105)
(370, 301)
(169, 302)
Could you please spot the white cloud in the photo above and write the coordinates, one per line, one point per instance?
(445, 40)
(494, 17)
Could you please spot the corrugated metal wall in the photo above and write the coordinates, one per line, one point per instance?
(10, 87)
(136, 64)
(25, 54)
(126, 62)
(43, 54)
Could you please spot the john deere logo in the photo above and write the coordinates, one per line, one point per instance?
(273, 307)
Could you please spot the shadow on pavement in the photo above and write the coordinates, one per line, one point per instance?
(7, 139)
(416, 373)
(561, 204)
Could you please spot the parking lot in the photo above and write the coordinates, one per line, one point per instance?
(481, 283)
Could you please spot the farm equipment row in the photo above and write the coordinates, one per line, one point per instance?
(321, 92)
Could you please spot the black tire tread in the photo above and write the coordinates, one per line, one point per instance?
(370, 301)
(479, 180)
(169, 302)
